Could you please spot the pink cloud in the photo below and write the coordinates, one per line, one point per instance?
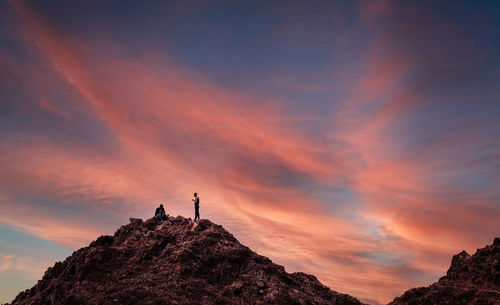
(32, 267)
(177, 133)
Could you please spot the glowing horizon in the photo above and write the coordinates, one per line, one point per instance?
(356, 141)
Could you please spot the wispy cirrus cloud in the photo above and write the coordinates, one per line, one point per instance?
(34, 268)
(372, 197)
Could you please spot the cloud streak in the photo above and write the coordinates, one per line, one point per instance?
(373, 197)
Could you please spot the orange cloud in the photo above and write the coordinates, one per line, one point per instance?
(176, 133)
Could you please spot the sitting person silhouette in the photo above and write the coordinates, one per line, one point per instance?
(160, 213)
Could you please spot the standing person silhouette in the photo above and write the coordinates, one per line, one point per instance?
(196, 200)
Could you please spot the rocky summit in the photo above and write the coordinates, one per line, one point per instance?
(174, 262)
(470, 280)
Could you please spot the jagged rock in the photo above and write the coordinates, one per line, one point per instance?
(470, 280)
(174, 262)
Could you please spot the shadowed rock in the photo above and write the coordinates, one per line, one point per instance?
(174, 263)
(470, 280)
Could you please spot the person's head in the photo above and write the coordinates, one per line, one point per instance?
(161, 205)
(195, 194)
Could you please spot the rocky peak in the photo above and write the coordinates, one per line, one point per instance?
(174, 262)
(458, 262)
(471, 279)
(481, 268)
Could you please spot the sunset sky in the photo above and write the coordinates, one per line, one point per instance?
(356, 141)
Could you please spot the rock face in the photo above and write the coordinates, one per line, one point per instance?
(470, 280)
(175, 262)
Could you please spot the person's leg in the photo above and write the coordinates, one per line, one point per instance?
(197, 214)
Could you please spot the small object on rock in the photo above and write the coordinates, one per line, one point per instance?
(237, 287)
(135, 220)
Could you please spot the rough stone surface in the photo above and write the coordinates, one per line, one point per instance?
(174, 262)
(470, 280)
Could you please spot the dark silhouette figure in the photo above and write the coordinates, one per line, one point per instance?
(160, 213)
(196, 200)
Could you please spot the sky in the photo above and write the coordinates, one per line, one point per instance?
(354, 140)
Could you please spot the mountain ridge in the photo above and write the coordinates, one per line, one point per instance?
(471, 279)
(184, 262)
(174, 262)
